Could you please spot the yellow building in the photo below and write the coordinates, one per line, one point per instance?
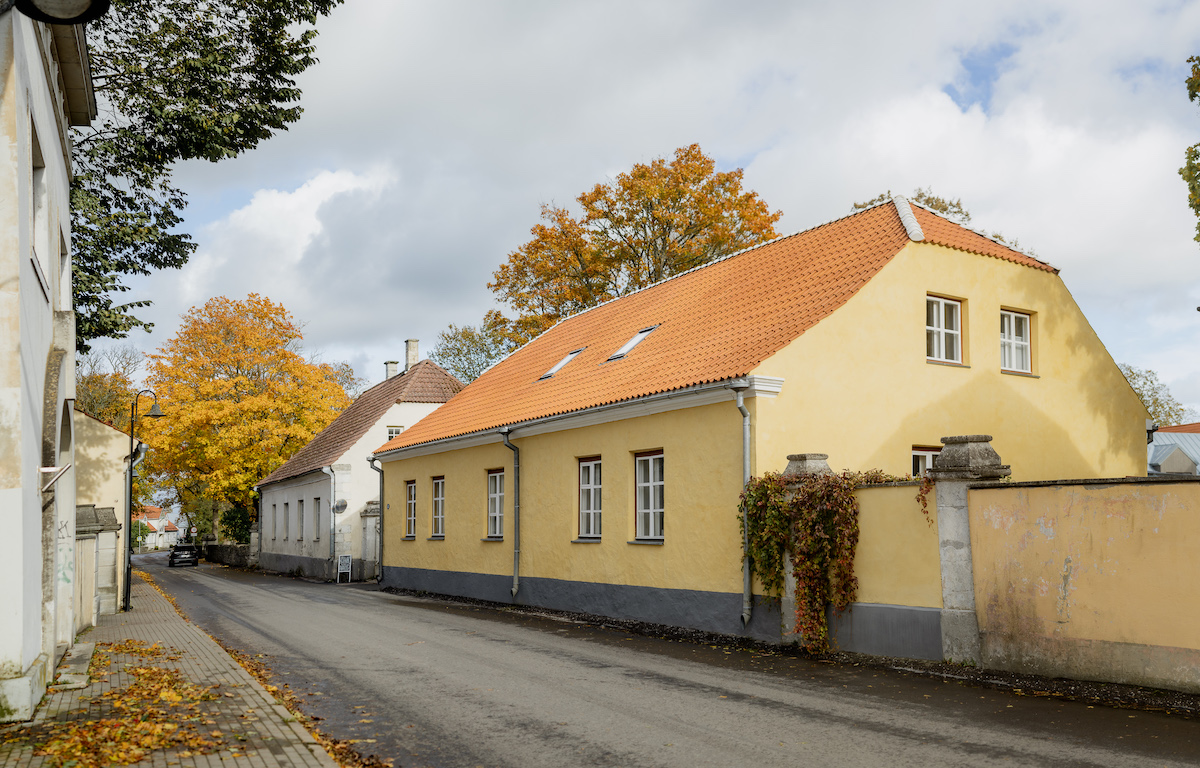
(598, 468)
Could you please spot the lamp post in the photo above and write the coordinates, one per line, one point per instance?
(154, 413)
(60, 11)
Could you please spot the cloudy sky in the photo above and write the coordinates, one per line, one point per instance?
(433, 131)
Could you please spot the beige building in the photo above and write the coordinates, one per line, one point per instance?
(45, 88)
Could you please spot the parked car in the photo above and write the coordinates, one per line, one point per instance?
(183, 554)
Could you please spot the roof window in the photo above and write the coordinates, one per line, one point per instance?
(629, 345)
(559, 365)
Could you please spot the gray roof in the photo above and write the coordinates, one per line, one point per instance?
(1160, 449)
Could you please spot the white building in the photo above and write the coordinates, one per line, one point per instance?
(324, 501)
(45, 87)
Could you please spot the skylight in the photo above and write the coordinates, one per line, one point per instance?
(559, 365)
(629, 345)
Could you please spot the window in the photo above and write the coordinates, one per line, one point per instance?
(1014, 342)
(495, 503)
(943, 330)
(300, 520)
(650, 495)
(394, 432)
(589, 498)
(439, 507)
(317, 519)
(274, 523)
(629, 345)
(410, 508)
(922, 459)
(287, 520)
(559, 365)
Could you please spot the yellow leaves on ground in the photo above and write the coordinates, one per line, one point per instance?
(239, 397)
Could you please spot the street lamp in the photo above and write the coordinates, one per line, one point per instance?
(154, 413)
(62, 11)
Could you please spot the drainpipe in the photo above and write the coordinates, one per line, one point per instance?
(379, 545)
(740, 386)
(516, 510)
(332, 521)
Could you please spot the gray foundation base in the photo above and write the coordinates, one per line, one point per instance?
(960, 636)
(308, 567)
(887, 630)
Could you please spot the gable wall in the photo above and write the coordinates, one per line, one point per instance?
(858, 386)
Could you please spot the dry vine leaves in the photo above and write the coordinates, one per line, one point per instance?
(814, 517)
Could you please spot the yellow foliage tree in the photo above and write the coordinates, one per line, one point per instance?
(240, 399)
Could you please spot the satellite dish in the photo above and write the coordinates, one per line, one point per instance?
(340, 506)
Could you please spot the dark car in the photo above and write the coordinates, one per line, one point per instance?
(183, 554)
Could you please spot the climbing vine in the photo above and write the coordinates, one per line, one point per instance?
(815, 518)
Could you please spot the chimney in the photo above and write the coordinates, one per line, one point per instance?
(389, 368)
(410, 354)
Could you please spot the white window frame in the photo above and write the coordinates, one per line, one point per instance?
(922, 459)
(495, 494)
(394, 432)
(943, 344)
(650, 505)
(439, 507)
(410, 508)
(1012, 343)
(633, 342)
(590, 482)
(287, 520)
(300, 520)
(316, 518)
(559, 365)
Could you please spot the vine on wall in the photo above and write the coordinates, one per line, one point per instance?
(815, 518)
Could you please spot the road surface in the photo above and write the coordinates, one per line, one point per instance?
(433, 684)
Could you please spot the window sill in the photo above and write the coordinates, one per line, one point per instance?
(651, 542)
(409, 538)
(436, 538)
(493, 538)
(588, 540)
(1025, 374)
(949, 363)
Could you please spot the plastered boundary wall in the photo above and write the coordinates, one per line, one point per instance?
(1090, 579)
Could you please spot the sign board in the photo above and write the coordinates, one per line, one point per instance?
(193, 530)
(343, 567)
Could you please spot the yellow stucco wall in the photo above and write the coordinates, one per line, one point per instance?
(1092, 563)
(702, 472)
(858, 386)
(100, 451)
(897, 560)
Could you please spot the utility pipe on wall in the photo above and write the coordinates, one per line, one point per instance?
(740, 386)
(516, 510)
(332, 520)
(379, 545)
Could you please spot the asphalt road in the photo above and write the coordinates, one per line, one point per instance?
(433, 684)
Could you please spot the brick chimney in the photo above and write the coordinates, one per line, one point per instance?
(389, 368)
(410, 354)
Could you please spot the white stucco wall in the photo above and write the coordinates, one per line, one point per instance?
(37, 364)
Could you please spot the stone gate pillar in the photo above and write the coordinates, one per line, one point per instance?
(798, 464)
(965, 459)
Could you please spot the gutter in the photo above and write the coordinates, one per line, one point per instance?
(740, 386)
(374, 462)
(505, 432)
(332, 521)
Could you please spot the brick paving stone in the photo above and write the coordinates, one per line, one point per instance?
(254, 726)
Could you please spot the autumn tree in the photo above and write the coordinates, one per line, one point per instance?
(104, 383)
(174, 80)
(467, 351)
(1164, 409)
(1191, 165)
(240, 399)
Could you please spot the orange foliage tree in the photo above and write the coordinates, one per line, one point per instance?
(653, 221)
(240, 399)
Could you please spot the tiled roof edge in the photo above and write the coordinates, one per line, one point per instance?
(985, 235)
(911, 226)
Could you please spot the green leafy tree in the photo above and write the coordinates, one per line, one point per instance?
(1191, 164)
(1164, 409)
(197, 512)
(237, 523)
(175, 80)
(468, 350)
(141, 532)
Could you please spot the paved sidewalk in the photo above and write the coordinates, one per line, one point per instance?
(254, 730)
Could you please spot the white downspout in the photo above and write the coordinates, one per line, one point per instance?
(374, 462)
(332, 520)
(740, 386)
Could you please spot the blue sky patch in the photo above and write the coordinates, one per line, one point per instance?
(982, 68)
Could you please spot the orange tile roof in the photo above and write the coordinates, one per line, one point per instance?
(171, 527)
(1189, 428)
(147, 513)
(425, 382)
(715, 322)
